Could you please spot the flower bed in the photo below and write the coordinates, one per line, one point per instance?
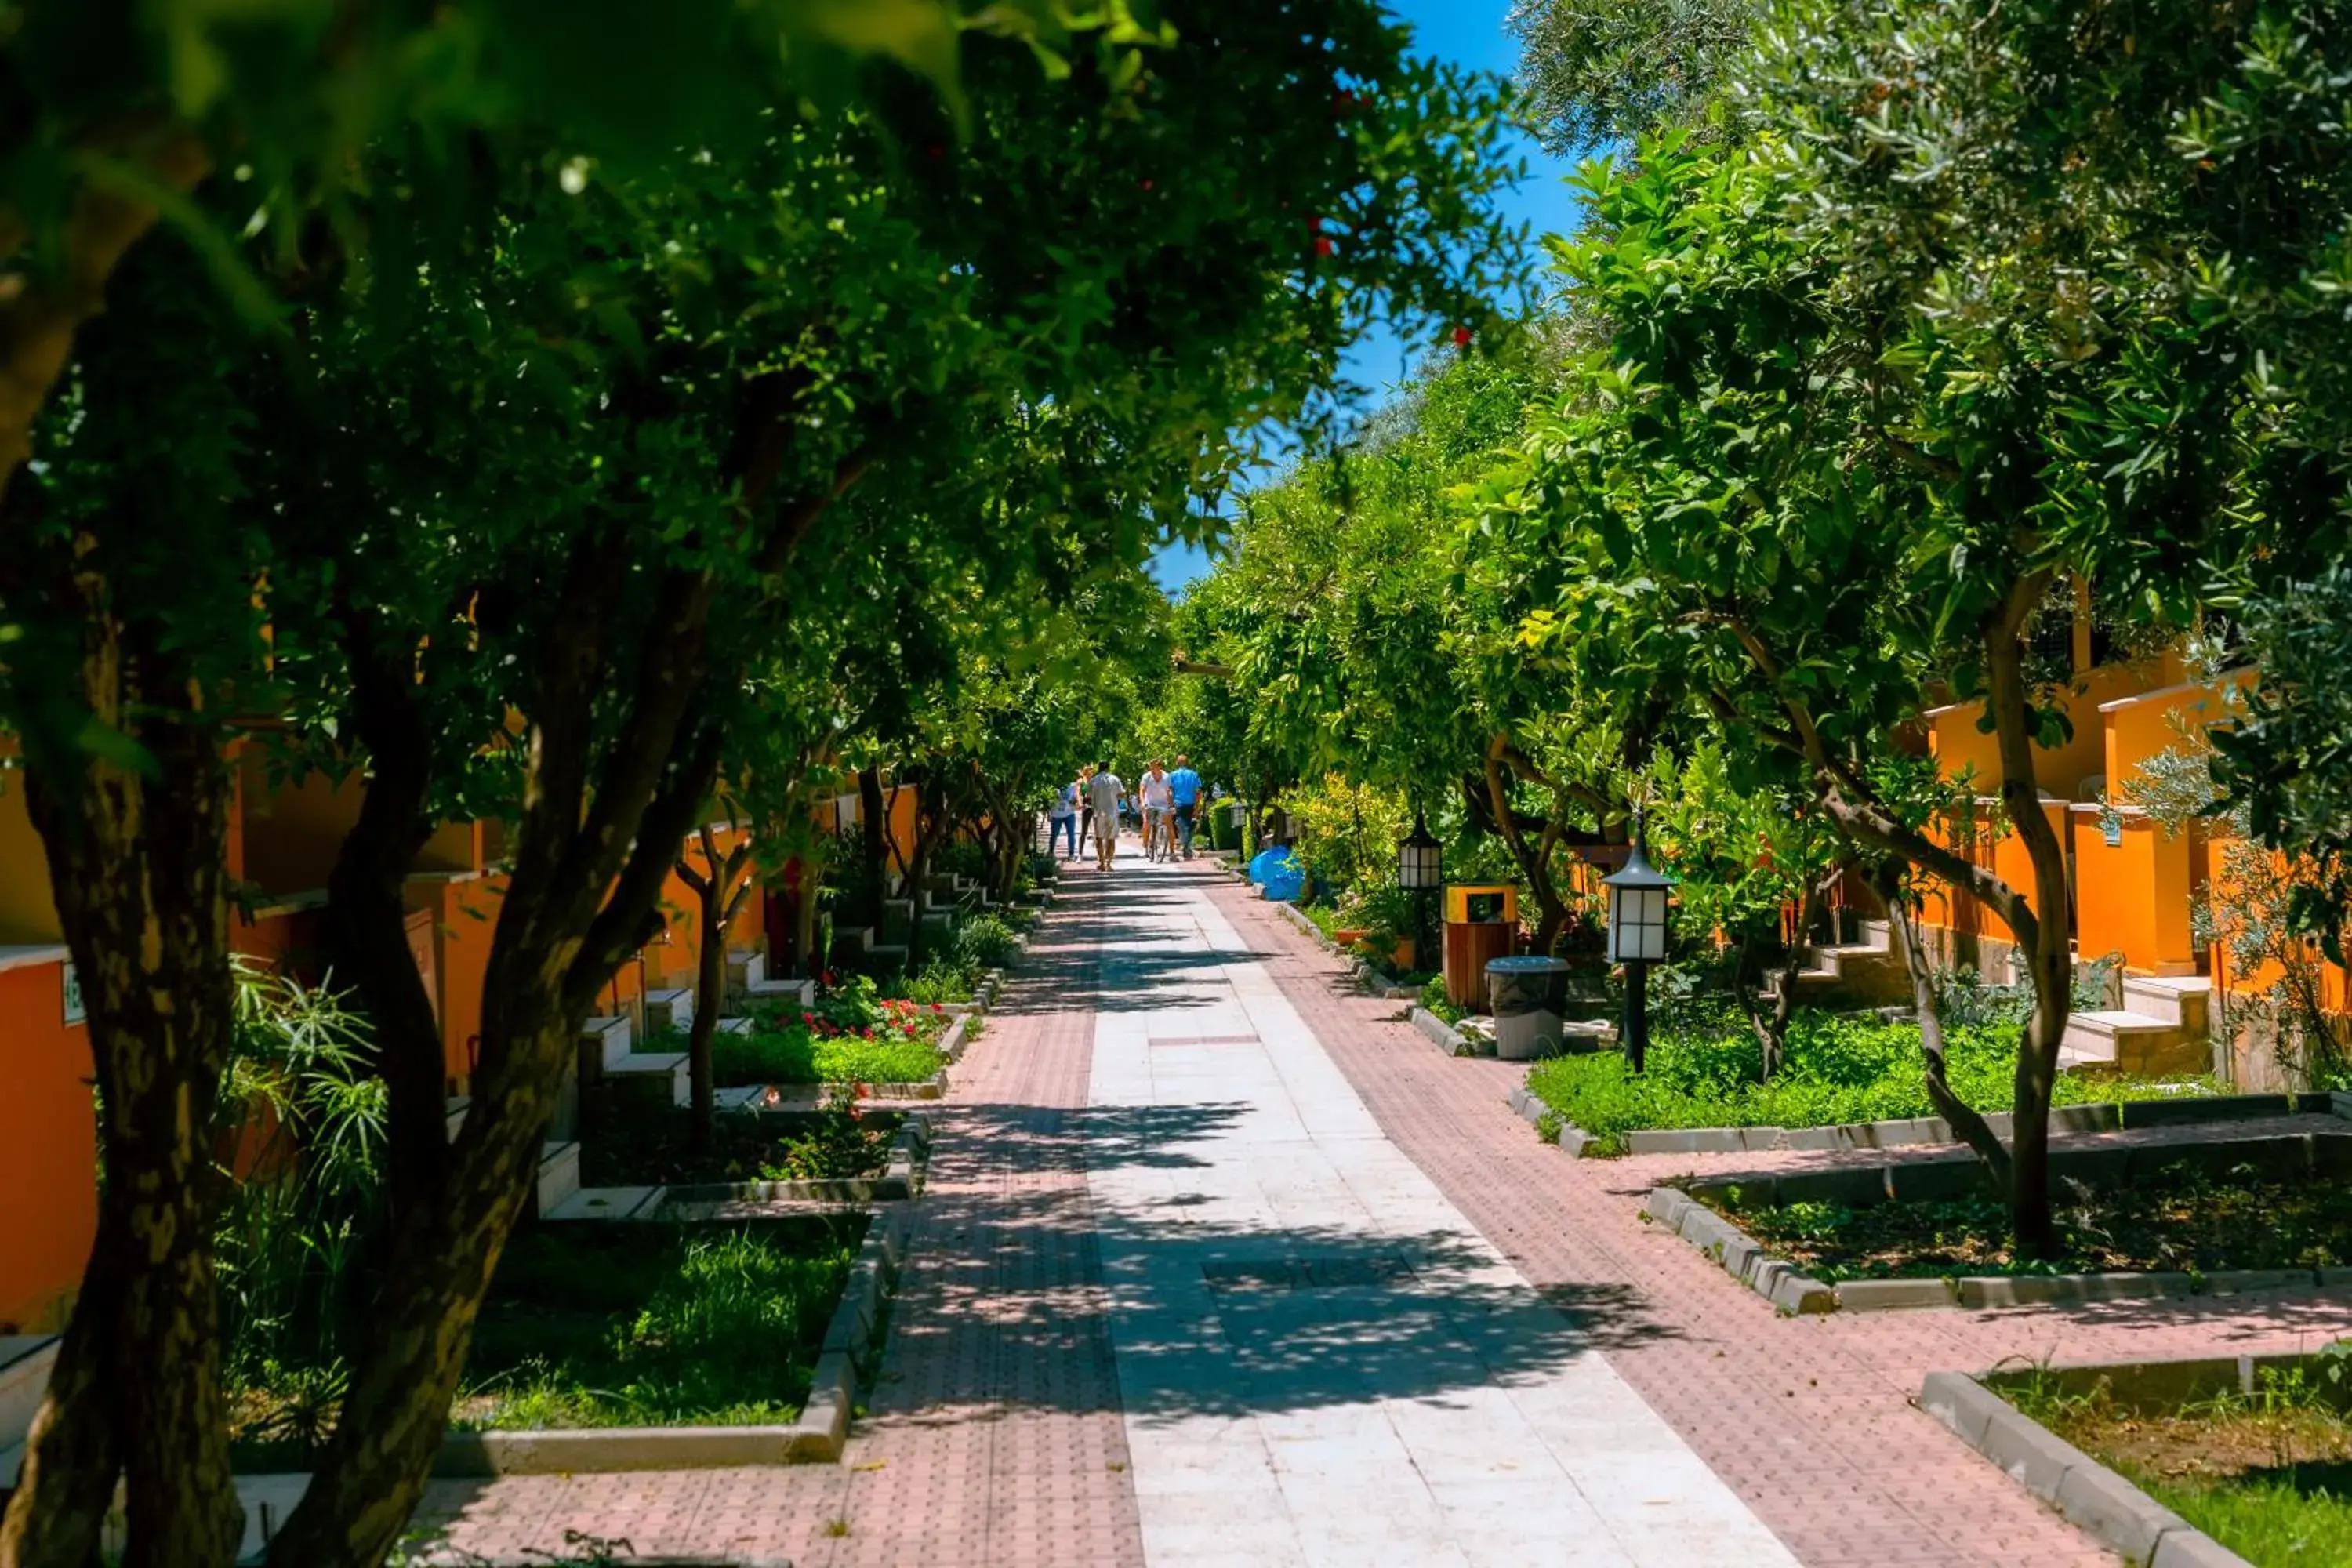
(1837, 1069)
(852, 1035)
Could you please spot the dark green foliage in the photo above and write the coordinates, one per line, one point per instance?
(1705, 1073)
(2181, 1219)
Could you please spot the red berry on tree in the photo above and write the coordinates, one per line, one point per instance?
(1323, 244)
(1461, 337)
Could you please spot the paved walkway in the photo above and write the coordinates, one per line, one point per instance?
(1320, 1360)
(1810, 1420)
(1222, 1261)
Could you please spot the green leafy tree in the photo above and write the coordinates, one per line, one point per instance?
(1884, 382)
(508, 533)
(1598, 71)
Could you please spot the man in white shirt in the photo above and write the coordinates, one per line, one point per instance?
(1104, 791)
(1157, 798)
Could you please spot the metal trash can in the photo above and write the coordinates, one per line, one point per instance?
(1529, 997)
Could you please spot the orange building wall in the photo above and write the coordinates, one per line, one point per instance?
(2133, 897)
(48, 1132)
(465, 915)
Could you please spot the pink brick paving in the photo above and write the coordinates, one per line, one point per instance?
(1809, 1419)
(995, 1439)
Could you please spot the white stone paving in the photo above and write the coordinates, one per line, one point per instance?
(1322, 1361)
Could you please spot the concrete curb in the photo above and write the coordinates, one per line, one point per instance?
(852, 1342)
(2103, 1504)
(901, 1178)
(1912, 1132)
(1455, 1042)
(1681, 1209)
(1742, 1256)
(1531, 1109)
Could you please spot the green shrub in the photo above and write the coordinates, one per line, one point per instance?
(1838, 1069)
(985, 941)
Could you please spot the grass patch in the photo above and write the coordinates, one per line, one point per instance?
(1838, 1069)
(2181, 1220)
(587, 1324)
(649, 1324)
(2268, 1475)
(645, 1148)
(798, 1054)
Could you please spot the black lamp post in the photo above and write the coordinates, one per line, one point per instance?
(1637, 937)
(1421, 871)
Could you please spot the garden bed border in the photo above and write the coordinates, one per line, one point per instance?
(1678, 1209)
(853, 1343)
(2095, 1498)
(2103, 1116)
(901, 1178)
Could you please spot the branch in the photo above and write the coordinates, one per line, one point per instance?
(39, 316)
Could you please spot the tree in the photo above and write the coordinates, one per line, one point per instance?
(1598, 71)
(523, 519)
(720, 885)
(1882, 387)
(121, 111)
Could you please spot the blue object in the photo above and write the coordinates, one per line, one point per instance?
(1279, 873)
(1184, 786)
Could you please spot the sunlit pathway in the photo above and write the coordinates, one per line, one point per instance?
(1319, 1360)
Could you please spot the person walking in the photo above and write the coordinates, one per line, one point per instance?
(1158, 801)
(1063, 819)
(1184, 788)
(1104, 791)
(1085, 806)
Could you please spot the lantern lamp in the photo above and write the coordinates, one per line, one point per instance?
(1637, 937)
(1421, 860)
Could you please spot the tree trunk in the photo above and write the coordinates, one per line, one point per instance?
(600, 833)
(1771, 1024)
(138, 860)
(804, 917)
(73, 1455)
(709, 999)
(2040, 934)
(1963, 1116)
(874, 824)
(1534, 863)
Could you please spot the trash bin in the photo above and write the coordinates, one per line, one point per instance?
(1530, 996)
(1482, 922)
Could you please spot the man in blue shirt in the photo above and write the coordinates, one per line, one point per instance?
(1184, 784)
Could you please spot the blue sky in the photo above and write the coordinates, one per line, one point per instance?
(1470, 32)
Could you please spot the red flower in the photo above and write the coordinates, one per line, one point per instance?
(1322, 245)
(1461, 337)
(936, 1009)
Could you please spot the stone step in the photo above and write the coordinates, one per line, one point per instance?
(852, 943)
(611, 1038)
(733, 1026)
(802, 992)
(2139, 1043)
(559, 1175)
(608, 1203)
(453, 1114)
(745, 970)
(2183, 1001)
(671, 1008)
(675, 1065)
